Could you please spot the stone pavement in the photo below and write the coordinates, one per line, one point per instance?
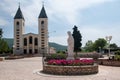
(28, 69)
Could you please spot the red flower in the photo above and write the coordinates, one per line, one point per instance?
(71, 62)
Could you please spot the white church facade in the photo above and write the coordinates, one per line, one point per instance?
(30, 43)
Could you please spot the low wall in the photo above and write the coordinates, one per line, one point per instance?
(111, 63)
(107, 62)
(70, 70)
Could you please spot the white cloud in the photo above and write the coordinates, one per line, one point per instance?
(3, 22)
(64, 9)
(59, 39)
(94, 32)
(68, 10)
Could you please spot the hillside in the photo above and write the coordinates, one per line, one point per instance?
(58, 47)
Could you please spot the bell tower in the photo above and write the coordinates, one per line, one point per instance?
(19, 23)
(43, 31)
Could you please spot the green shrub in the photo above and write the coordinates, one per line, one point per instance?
(117, 57)
(117, 52)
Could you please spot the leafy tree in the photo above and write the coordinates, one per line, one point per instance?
(77, 39)
(89, 46)
(3, 44)
(114, 46)
(100, 43)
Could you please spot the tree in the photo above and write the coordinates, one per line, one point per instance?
(3, 44)
(100, 43)
(89, 46)
(1, 33)
(77, 39)
(114, 46)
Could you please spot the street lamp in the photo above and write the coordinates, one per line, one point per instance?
(108, 38)
(99, 49)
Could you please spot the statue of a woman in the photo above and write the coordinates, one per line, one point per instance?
(70, 46)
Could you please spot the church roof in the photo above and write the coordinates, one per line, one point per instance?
(43, 13)
(19, 14)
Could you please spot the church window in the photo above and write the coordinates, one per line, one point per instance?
(30, 51)
(42, 22)
(42, 42)
(36, 41)
(36, 50)
(30, 40)
(17, 35)
(17, 29)
(25, 42)
(42, 34)
(17, 32)
(43, 46)
(25, 51)
(17, 23)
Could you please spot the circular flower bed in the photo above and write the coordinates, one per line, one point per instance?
(70, 67)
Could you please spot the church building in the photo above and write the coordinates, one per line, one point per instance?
(30, 43)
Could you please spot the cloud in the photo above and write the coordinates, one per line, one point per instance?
(3, 22)
(70, 10)
(59, 39)
(63, 9)
(94, 32)
(61, 13)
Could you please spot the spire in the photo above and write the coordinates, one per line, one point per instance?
(19, 14)
(43, 13)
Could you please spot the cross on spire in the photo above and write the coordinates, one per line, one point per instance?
(19, 4)
(42, 3)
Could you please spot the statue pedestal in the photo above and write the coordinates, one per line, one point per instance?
(70, 57)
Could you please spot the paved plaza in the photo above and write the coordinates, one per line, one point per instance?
(28, 69)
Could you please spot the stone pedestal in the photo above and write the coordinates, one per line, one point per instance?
(70, 57)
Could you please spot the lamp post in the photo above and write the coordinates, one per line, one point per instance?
(108, 38)
(99, 49)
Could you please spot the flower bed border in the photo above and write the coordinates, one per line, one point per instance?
(70, 70)
(107, 62)
(2, 58)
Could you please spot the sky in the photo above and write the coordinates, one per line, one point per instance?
(94, 18)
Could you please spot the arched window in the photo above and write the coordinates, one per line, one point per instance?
(30, 40)
(25, 42)
(36, 41)
(17, 23)
(42, 22)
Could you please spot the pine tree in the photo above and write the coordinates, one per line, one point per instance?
(77, 39)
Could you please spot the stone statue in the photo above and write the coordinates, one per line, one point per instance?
(70, 46)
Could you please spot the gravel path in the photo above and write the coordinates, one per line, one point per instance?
(28, 69)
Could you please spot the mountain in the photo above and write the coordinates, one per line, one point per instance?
(58, 47)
